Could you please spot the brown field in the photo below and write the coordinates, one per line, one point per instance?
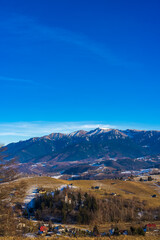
(87, 238)
(127, 189)
(23, 185)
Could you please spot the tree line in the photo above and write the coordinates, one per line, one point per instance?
(84, 208)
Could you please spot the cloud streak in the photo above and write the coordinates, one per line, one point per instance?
(13, 132)
(27, 29)
(18, 80)
(16, 131)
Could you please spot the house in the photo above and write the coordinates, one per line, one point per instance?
(113, 194)
(154, 195)
(111, 231)
(125, 232)
(61, 229)
(42, 191)
(150, 226)
(145, 229)
(43, 229)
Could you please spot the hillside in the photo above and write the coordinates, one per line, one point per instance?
(110, 149)
(124, 191)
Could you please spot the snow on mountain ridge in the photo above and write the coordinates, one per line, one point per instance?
(78, 133)
(112, 133)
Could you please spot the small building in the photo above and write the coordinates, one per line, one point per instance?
(61, 229)
(43, 229)
(125, 232)
(111, 231)
(113, 194)
(150, 226)
(42, 191)
(154, 195)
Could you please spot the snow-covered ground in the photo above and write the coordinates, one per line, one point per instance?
(57, 176)
(65, 186)
(31, 193)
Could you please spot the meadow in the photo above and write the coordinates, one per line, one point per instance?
(20, 188)
(87, 238)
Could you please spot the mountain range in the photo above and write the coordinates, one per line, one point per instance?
(87, 151)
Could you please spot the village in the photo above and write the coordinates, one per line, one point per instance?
(56, 226)
(49, 230)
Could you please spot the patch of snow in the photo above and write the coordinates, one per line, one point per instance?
(112, 159)
(99, 168)
(98, 131)
(62, 187)
(31, 193)
(126, 172)
(75, 176)
(140, 158)
(57, 176)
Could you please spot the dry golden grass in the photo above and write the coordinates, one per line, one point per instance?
(27, 183)
(46, 182)
(87, 238)
(127, 189)
(156, 178)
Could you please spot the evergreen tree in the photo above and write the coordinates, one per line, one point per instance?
(95, 231)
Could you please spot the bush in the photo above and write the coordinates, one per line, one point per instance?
(140, 231)
(95, 231)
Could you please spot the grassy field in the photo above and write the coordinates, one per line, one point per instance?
(23, 185)
(87, 238)
(45, 182)
(127, 189)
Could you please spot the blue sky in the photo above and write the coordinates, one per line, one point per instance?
(65, 65)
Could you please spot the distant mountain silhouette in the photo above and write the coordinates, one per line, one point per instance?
(112, 147)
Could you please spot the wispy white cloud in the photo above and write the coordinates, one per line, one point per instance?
(16, 131)
(26, 29)
(13, 132)
(19, 80)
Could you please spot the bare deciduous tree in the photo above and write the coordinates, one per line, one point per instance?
(8, 173)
